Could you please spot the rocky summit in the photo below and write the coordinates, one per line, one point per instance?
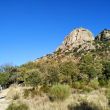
(78, 36)
(78, 42)
(104, 35)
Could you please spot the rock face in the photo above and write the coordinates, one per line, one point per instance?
(103, 36)
(77, 37)
(80, 40)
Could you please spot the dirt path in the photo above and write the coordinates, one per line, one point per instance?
(3, 101)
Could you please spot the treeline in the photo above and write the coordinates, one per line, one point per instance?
(90, 72)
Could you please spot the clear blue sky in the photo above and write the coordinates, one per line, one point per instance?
(32, 28)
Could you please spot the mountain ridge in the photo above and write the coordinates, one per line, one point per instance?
(80, 39)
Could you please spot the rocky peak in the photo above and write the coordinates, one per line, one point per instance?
(104, 35)
(77, 37)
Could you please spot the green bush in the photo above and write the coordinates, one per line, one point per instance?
(102, 81)
(82, 86)
(52, 76)
(94, 84)
(26, 93)
(34, 78)
(59, 92)
(91, 66)
(70, 70)
(20, 106)
(4, 78)
(77, 85)
(87, 89)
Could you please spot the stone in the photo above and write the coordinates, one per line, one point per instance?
(77, 37)
(103, 36)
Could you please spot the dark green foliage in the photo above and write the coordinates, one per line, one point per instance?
(105, 76)
(8, 75)
(4, 78)
(106, 71)
(52, 75)
(69, 72)
(79, 69)
(33, 78)
(20, 106)
(102, 80)
(91, 66)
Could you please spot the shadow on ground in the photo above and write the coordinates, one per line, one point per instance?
(83, 106)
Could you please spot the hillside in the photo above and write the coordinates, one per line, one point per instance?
(79, 42)
(76, 75)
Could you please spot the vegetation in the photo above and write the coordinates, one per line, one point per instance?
(34, 78)
(59, 75)
(93, 65)
(15, 106)
(59, 92)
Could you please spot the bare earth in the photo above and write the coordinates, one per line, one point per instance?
(3, 101)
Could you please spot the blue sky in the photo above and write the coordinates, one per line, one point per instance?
(32, 28)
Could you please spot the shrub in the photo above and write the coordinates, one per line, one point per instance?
(91, 66)
(34, 78)
(106, 71)
(52, 76)
(102, 81)
(59, 92)
(26, 93)
(94, 83)
(77, 85)
(20, 106)
(4, 78)
(82, 86)
(87, 89)
(70, 70)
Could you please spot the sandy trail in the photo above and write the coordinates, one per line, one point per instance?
(3, 101)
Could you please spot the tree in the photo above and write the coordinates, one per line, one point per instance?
(4, 79)
(8, 75)
(70, 71)
(8, 68)
(106, 71)
(52, 75)
(34, 78)
(91, 66)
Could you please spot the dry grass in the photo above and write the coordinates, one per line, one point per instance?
(14, 92)
(43, 103)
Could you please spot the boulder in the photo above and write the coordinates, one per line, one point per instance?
(77, 37)
(103, 36)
